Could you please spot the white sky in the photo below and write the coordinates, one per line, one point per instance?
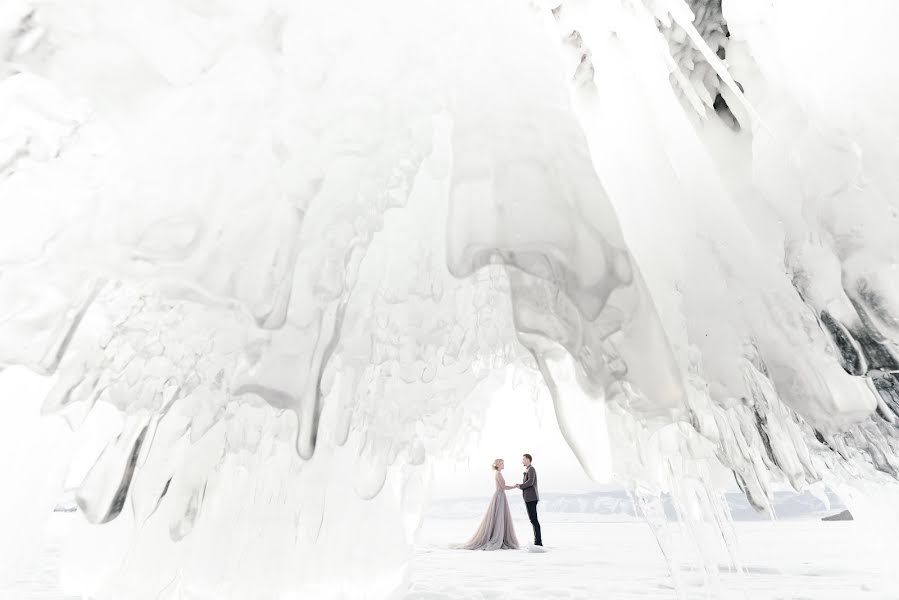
(515, 423)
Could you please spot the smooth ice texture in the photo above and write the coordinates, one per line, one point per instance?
(294, 243)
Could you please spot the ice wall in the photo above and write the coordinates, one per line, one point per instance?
(290, 243)
(754, 221)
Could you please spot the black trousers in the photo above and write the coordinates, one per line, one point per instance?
(532, 515)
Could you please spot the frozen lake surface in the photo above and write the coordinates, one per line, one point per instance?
(807, 559)
(800, 559)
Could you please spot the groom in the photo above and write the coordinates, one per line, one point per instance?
(531, 497)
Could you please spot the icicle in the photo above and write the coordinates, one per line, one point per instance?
(684, 17)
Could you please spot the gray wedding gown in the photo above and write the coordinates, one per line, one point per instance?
(496, 531)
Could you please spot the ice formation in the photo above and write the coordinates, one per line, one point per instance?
(291, 243)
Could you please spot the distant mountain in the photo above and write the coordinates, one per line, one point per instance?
(67, 502)
(616, 505)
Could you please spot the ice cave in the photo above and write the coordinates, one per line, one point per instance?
(262, 263)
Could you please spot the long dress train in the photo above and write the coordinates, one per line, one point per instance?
(496, 531)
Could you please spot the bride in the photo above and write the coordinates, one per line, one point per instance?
(496, 531)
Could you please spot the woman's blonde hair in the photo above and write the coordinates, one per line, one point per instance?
(496, 464)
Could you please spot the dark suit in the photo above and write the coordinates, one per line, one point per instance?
(531, 497)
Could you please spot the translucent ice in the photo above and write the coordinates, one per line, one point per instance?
(293, 243)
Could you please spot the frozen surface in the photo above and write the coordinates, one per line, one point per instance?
(796, 560)
(584, 561)
(269, 260)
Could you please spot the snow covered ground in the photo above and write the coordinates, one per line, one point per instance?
(801, 559)
(798, 559)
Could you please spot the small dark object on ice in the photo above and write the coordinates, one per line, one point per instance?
(840, 516)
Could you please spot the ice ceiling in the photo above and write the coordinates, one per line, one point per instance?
(293, 242)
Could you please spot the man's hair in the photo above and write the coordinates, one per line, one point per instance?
(528, 456)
